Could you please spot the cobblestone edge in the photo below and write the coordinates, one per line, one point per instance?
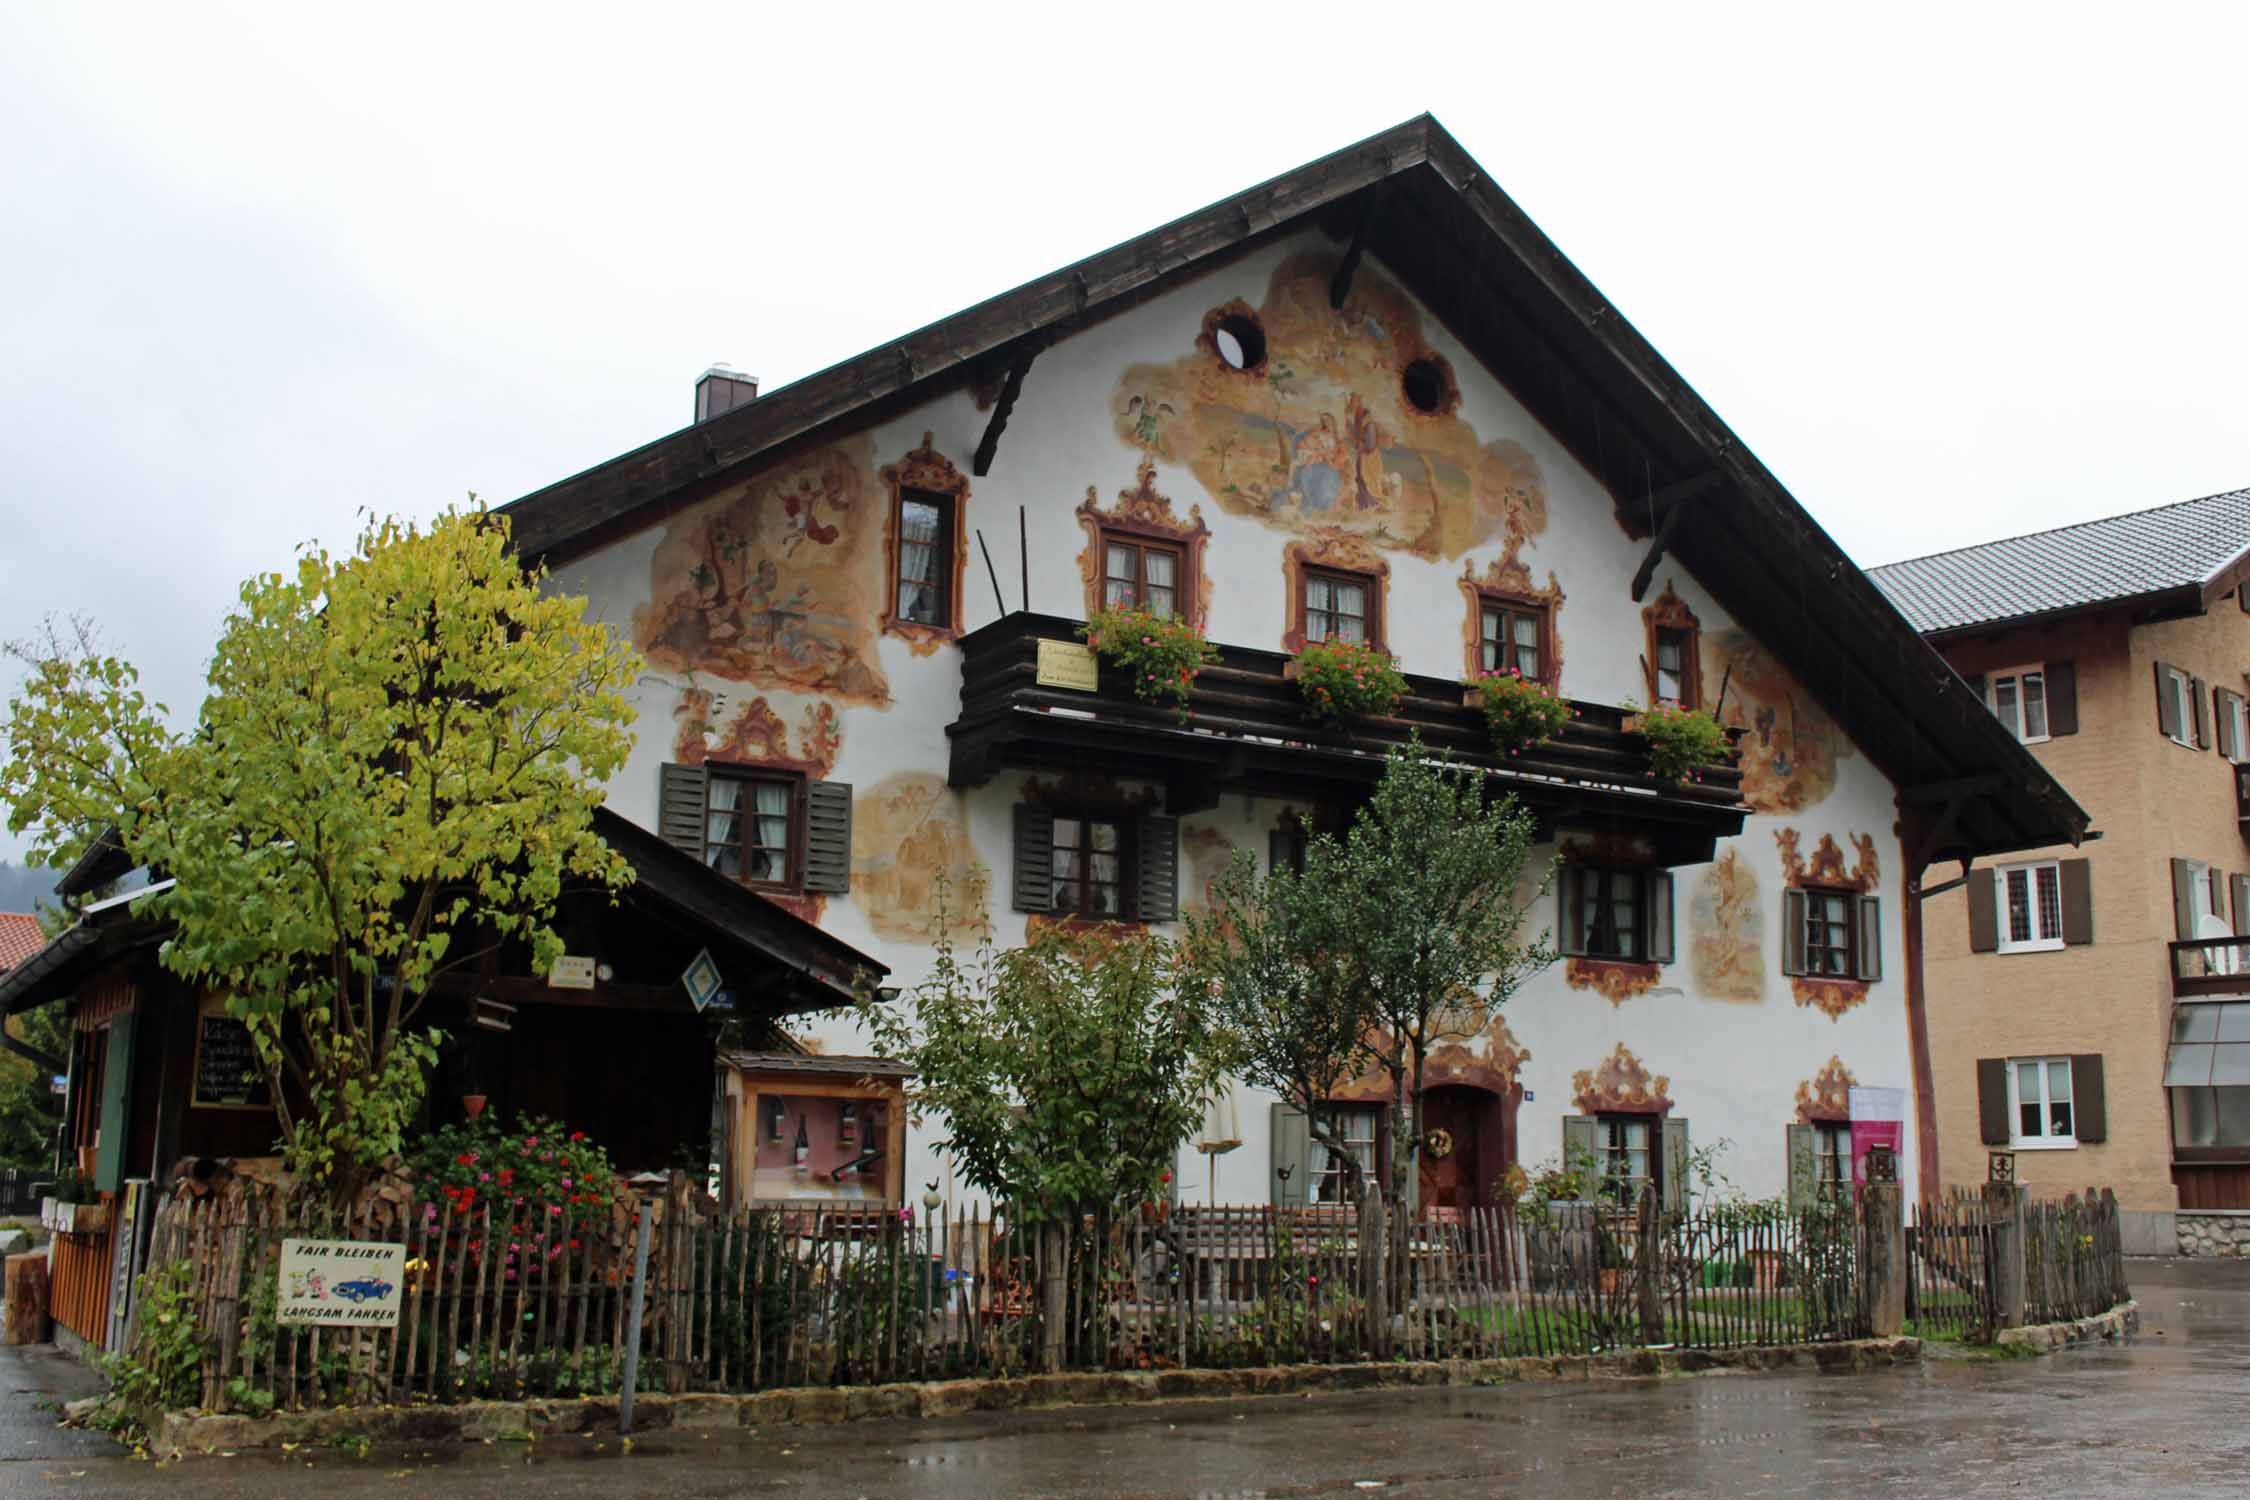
(2123, 1319)
(181, 1434)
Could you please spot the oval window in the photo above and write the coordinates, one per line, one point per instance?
(1240, 342)
(1424, 384)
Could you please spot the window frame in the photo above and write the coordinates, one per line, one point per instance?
(1608, 1123)
(1327, 1176)
(1128, 864)
(1370, 583)
(1108, 534)
(793, 881)
(941, 580)
(2018, 675)
(2238, 714)
(2047, 1140)
(1509, 608)
(1814, 896)
(1832, 1157)
(2038, 942)
(1691, 670)
(2181, 685)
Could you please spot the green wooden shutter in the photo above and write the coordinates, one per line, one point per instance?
(2167, 703)
(117, 1097)
(1658, 904)
(1159, 852)
(682, 805)
(2089, 1098)
(1992, 1101)
(1291, 1145)
(1035, 858)
(1582, 1153)
(2077, 901)
(1675, 1166)
(1984, 911)
(828, 837)
(1870, 938)
(1792, 932)
(1804, 1168)
(2062, 698)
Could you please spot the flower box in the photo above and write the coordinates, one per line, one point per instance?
(74, 1218)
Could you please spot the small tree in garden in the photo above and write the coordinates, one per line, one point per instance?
(396, 769)
(1069, 1070)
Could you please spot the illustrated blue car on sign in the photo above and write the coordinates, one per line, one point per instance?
(363, 1289)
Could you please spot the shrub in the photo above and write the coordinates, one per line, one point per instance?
(1161, 651)
(536, 1168)
(1520, 713)
(1347, 680)
(1681, 741)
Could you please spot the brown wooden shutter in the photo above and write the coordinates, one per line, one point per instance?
(2167, 702)
(1792, 932)
(2090, 1098)
(2077, 901)
(2222, 723)
(2240, 885)
(1992, 1100)
(2196, 697)
(1570, 920)
(2184, 905)
(1984, 911)
(2062, 697)
(1158, 850)
(1804, 1169)
(828, 837)
(1870, 956)
(1035, 858)
(1658, 903)
(682, 805)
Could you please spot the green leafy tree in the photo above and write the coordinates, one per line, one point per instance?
(1069, 1070)
(395, 770)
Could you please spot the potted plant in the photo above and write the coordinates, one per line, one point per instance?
(1162, 653)
(1347, 680)
(472, 1104)
(72, 1206)
(1681, 741)
(1520, 713)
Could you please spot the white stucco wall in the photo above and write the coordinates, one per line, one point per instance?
(1733, 1065)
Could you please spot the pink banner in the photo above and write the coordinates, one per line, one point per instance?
(1878, 1119)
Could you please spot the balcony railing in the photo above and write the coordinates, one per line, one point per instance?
(2211, 966)
(1249, 729)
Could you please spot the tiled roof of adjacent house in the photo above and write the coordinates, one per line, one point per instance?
(2182, 545)
(20, 937)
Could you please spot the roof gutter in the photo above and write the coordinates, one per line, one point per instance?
(2178, 600)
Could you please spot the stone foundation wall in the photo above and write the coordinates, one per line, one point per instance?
(2222, 1234)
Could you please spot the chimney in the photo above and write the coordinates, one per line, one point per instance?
(723, 389)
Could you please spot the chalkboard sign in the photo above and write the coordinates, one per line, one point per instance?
(228, 1074)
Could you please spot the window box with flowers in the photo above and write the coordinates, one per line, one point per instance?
(1681, 741)
(1346, 680)
(1162, 653)
(1520, 713)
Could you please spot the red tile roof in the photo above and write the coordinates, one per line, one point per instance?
(20, 937)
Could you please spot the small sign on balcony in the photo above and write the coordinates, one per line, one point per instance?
(1067, 664)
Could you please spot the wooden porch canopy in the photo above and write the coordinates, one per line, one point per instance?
(1678, 477)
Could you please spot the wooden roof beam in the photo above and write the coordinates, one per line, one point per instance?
(1340, 285)
(1010, 389)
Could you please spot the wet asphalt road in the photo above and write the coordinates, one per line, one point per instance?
(2167, 1415)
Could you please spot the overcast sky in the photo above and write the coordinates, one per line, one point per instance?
(1966, 272)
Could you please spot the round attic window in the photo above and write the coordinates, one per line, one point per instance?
(1424, 385)
(1240, 341)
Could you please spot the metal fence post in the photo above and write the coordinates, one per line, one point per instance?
(632, 1374)
(2004, 1211)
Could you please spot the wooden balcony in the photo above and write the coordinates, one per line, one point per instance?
(1249, 730)
(2203, 967)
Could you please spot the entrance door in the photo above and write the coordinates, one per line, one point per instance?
(1464, 1149)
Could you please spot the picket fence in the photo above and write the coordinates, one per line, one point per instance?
(2074, 1257)
(772, 1297)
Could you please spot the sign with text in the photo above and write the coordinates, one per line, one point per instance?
(1067, 664)
(341, 1281)
(228, 1074)
(571, 972)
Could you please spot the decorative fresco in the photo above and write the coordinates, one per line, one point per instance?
(1728, 949)
(928, 472)
(1613, 979)
(909, 834)
(1621, 1084)
(1317, 428)
(1204, 852)
(1790, 753)
(773, 581)
(1486, 1056)
(1507, 580)
(1331, 547)
(755, 735)
(1827, 1095)
(1141, 511)
(1825, 868)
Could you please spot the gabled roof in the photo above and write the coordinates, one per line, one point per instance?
(2178, 556)
(1422, 206)
(20, 937)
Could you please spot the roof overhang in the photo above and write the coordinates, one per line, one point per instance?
(1423, 207)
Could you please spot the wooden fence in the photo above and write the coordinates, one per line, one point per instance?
(2073, 1257)
(1951, 1247)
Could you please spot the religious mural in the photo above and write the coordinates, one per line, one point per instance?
(1791, 749)
(909, 835)
(1827, 1095)
(1825, 869)
(1316, 427)
(1204, 853)
(1621, 1084)
(1728, 949)
(774, 581)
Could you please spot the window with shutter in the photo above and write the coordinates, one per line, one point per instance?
(1792, 932)
(1582, 1153)
(2174, 718)
(680, 805)
(2030, 915)
(1992, 1101)
(2042, 1103)
(2196, 696)
(2018, 698)
(1034, 858)
(1290, 1143)
(828, 837)
(1157, 852)
(1615, 912)
(2062, 698)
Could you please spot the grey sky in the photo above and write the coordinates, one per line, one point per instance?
(1969, 271)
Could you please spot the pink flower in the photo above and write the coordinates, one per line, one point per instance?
(484, 1176)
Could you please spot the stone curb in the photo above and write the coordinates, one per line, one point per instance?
(185, 1432)
(2123, 1319)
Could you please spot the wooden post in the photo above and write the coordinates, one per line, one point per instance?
(1646, 1254)
(632, 1373)
(1885, 1265)
(1052, 1296)
(1374, 1240)
(2004, 1211)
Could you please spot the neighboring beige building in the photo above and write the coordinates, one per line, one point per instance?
(2085, 1010)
